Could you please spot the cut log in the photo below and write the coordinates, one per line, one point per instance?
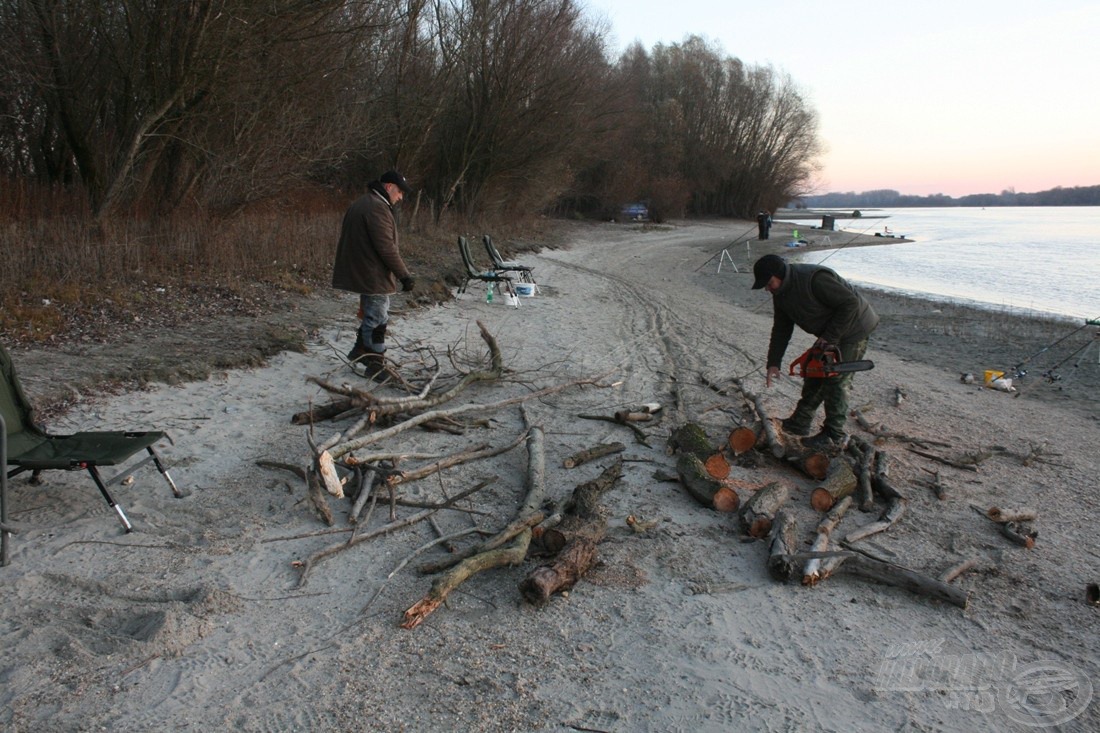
(584, 525)
(591, 454)
(704, 489)
(781, 546)
(742, 440)
(717, 466)
(1011, 515)
(840, 482)
(759, 511)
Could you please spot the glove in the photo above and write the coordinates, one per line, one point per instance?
(407, 283)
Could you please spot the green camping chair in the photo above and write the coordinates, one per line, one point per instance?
(28, 448)
(494, 278)
(499, 264)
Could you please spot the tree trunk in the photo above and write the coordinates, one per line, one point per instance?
(704, 489)
(840, 482)
(759, 511)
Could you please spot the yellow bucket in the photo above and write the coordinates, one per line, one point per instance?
(990, 375)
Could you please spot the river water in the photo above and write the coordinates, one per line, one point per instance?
(1039, 259)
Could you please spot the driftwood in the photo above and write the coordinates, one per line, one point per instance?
(704, 489)
(901, 577)
(309, 563)
(1019, 533)
(781, 547)
(513, 554)
(840, 482)
(818, 569)
(957, 570)
(889, 517)
(583, 525)
(945, 461)
(591, 454)
(1011, 515)
(759, 511)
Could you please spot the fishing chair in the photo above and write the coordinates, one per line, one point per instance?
(493, 277)
(29, 448)
(501, 266)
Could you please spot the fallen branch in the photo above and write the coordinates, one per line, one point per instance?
(818, 569)
(309, 563)
(591, 454)
(957, 570)
(943, 460)
(514, 554)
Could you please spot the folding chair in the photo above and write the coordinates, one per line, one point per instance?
(501, 266)
(27, 447)
(492, 277)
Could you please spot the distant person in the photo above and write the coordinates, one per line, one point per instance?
(764, 224)
(824, 304)
(368, 262)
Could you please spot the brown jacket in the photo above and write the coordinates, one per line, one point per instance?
(367, 258)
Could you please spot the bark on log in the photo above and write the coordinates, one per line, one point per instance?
(584, 525)
(759, 511)
(691, 438)
(902, 577)
(840, 482)
(742, 440)
(781, 546)
(818, 569)
(591, 454)
(864, 453)
(705, 490)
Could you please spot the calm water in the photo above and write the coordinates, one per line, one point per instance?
(1043, 259)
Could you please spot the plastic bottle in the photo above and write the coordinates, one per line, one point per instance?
(489, 294)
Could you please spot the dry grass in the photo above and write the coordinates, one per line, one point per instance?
(62, 268)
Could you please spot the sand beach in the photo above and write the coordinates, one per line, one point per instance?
(199, 621)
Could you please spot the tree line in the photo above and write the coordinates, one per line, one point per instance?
(490, 107)
(890, 199)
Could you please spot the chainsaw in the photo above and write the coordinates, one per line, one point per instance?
(822, 362)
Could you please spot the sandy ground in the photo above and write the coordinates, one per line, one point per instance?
(196, 620)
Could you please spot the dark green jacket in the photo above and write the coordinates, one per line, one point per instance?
(820, 302)
(367, 258)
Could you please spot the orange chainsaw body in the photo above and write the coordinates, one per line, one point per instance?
(824, 362)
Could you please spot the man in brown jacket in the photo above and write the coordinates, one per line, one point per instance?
(368, 262)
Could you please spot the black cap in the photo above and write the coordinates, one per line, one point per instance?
(766, 268)
(398, 180)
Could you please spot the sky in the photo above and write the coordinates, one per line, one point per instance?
(963, 97)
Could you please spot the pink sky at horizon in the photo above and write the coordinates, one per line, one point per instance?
(939, 97)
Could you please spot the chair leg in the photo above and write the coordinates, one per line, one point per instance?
(110, 501)
(164, 472)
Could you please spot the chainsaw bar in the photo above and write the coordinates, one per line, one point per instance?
(844, 367)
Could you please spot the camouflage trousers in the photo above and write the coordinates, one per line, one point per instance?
(832, 392)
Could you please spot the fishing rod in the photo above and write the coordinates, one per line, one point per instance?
(719, 253)
(1019, 371)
